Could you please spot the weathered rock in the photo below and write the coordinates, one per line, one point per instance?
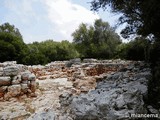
(1, 71)
(32, 77)
(3, 90)
(11, 71)
(42, 77)
(145, 74)
(25, 75)
(33, 86)
(17, 84)
(14, 90)
(5, 81)
(101, 104)
(16, 80)
(8, 63)
(24, 88)
(43, 115)
(73, 62)
(152, 110)
(65, 99)
(120, 95)
(25, 82)
(90, 60)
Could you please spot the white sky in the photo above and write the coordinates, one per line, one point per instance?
(39, 20)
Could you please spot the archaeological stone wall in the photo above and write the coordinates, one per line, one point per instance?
(121, 92)
(16, 81)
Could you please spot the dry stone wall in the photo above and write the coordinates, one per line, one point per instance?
(16, 81)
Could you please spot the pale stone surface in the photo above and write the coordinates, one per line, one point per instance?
(4, 81)
(25, 75)
(113, 89)
(43, 115)
(115, 97)
(24, 88)
(15, 76)
(1, 71)
(32, 77)
(33, 86)
(16, 80)
(45, 105)
(14, 90)
(11, 70)
(3, 88)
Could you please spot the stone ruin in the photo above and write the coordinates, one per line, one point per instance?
(84, 75)
(100, 90)
(15, 81)
(119, 91)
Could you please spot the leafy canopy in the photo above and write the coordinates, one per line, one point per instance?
(97, 41)
(142, 16)
(12, 46)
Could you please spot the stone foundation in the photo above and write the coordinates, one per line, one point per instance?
(15, 81)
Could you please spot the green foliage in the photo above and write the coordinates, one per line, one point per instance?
(141, 16)
(66, 51)
(137, 49)
(154, 53)
(12, 47)
(98, 41)
(11, 43)
(121, 51)
(7, 51)
(154, 83)
(49, 50)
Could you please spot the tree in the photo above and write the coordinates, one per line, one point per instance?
(98, 41)
(137, 49)
(141, 16)
(49, 50)
(7, 28)
(66, 50)
(12, 45)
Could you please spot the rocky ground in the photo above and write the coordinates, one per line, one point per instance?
(75, 90)
(46, 104)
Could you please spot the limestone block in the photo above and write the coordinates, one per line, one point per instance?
(4, 81)
(1, 71)
(24, 88)
(14, 90)
(11, 70)
(33, 86)
(16, 80)
(3, 90)
(25, 75)
(32, 77)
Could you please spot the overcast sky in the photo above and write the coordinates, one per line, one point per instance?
(39, 20)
